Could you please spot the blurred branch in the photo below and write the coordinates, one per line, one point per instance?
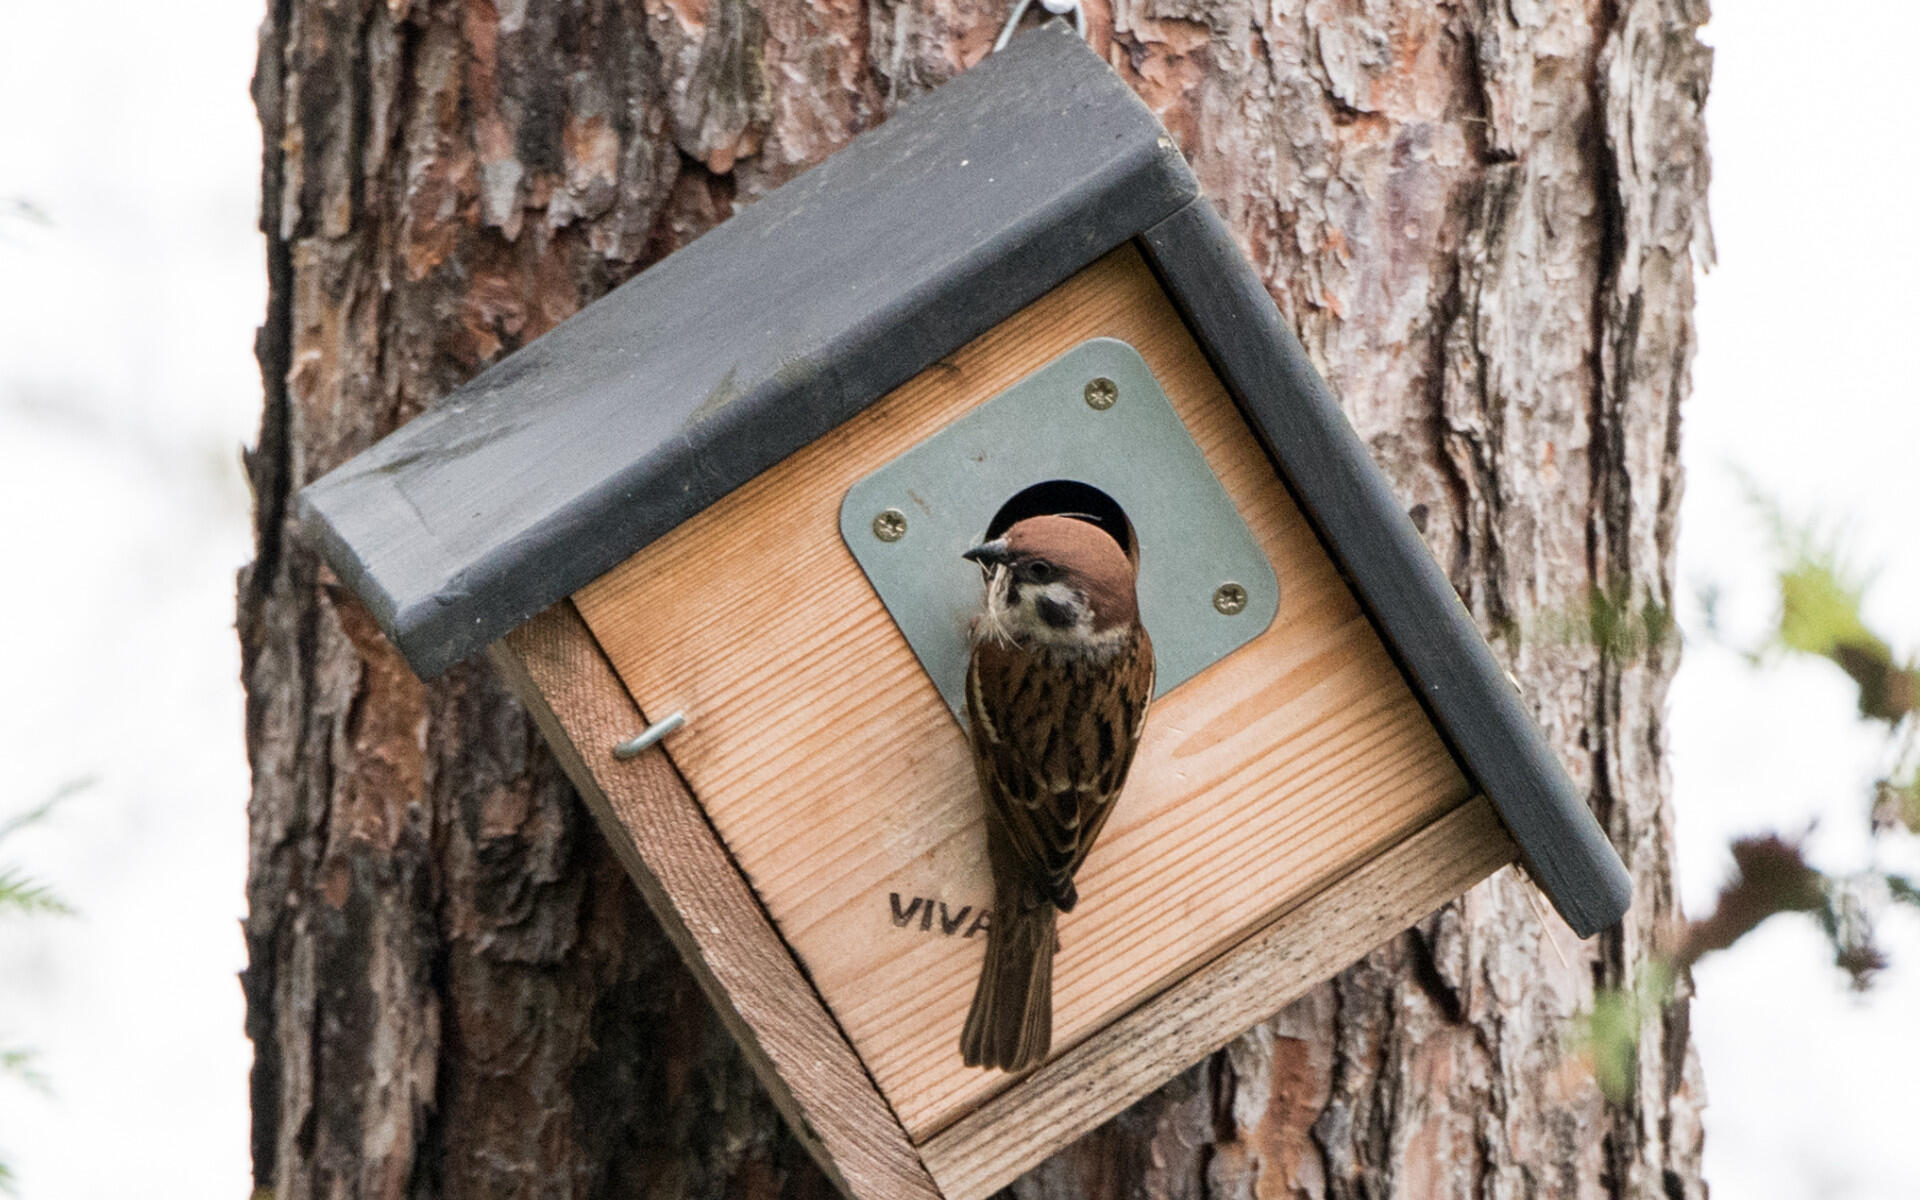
(19, 1064)
(1821, 614)
(19, 208)
(18, 211)
(40, 812)
(1770, 876)
(1896, 804)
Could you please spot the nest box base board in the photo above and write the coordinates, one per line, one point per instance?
(793, 1042)
(705, 906)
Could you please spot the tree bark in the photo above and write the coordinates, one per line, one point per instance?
(1480, 216)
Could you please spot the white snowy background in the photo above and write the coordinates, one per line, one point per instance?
(127, 387)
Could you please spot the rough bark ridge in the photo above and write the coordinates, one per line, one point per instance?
(1479, 214)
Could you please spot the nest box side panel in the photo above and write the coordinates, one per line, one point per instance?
(841, 784)
(661, 836)
(1471, 697)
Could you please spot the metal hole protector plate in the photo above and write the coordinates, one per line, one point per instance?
(941, 494)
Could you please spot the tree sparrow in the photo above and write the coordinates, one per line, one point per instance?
(1057, 694)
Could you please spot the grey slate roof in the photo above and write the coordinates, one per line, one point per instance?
(720, 360)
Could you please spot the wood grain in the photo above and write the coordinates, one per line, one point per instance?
(1076, 1091)
(837, 779)
(667, 846)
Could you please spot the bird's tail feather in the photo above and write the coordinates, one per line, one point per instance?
(1010, 1025)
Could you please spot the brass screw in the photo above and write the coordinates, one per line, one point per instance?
(1101, 393)
(1230, 598)
(890, 525)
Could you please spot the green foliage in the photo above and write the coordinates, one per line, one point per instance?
(1820, 606)
(19, 1064)
(1624, 629)
(22, 895)
(1821, 602)
(1610, 1039)
(1608, 1036)
(19, 893)
(44, 809)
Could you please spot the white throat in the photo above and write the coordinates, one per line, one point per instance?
(1022, 618)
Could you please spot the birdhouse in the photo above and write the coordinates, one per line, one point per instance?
(711, 530)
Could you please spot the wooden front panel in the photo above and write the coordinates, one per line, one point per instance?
(841, 784)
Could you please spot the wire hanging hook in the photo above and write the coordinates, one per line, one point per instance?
(1058, 8)
(634, 746)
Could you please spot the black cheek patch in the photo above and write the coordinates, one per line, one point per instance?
(1054, 613)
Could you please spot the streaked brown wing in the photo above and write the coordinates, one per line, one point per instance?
(1053, 740)
(999, 678)
(1131, 695)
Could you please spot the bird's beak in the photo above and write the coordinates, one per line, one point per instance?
(990, 554)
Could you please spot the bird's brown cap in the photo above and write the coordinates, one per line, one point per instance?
(1086, 556)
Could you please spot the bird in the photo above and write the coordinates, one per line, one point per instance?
(1058, 684)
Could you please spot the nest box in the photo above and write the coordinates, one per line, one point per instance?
(736, 490)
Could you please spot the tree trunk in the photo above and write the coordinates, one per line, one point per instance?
(1479, 216)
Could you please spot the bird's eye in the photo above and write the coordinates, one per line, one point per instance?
(1039, 570)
